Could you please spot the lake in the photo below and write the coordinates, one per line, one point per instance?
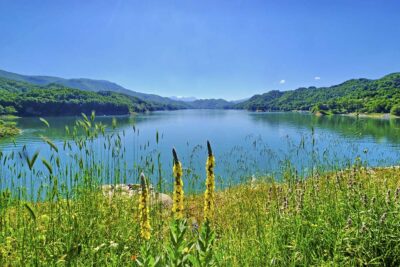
(245, 144)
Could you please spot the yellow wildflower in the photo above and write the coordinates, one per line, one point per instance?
(210, 185)
(145, 228)
(177, 207)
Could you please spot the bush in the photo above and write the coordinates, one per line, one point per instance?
(395, 110)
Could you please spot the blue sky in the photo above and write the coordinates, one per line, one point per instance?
(208, 49)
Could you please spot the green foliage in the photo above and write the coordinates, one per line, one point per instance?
(178, 249)
(362, 95)
(182, 249)
(395, 110)
(8, 110)
(146, 259)
(8, 128)
(203, 253)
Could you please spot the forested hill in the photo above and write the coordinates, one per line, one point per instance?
(27, 99)
(155, 101)
(94, 86)
(357, 95)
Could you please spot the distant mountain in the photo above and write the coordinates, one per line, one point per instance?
(157, 102)
(94, 86)
(211, 104)
(356, 95)
(183, 98)
(239, 100)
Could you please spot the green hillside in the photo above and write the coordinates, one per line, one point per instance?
(26, 99)
(357, 95)
(94, 86)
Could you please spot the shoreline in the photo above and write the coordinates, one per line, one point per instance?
(384, 116)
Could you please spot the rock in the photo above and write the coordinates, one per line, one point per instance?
(122, 188)
(131, 190)
(163, 199)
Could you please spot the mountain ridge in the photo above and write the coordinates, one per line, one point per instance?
(95, 85)
(87, 84)
(354, 95)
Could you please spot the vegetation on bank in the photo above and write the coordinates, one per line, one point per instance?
(8, 128)
(353, 96)
(344, 217)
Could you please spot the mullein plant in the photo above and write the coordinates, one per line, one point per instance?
(204, 255)
(178, 249)
(145, 258)
(177, 207)
(209, 197)
(145, 228)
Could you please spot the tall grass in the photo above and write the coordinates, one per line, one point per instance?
(53, 211)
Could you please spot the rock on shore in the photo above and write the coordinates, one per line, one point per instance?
(131, 190)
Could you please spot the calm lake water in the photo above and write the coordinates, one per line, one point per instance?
(245, 143)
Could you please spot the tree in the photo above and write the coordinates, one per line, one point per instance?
(395, 110)
(10, 110)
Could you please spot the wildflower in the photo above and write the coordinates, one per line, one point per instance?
(299, 200)
(363, 228)
(177, 207)
(350, 184)
(285, 203)
(364, 199)
(210, 185)
(388, 196)
(397, 194)
(113, 244)
(270, 193)
(383, 218)
(349, 222)
(98, 247)
(133, 257)
(145, 227)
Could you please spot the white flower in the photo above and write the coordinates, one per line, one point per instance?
(99, 247)
(113, 244)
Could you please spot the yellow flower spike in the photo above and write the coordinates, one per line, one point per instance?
(145, 228)
(209, 197)
(177, 207)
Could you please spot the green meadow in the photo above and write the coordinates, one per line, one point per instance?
(342, 217)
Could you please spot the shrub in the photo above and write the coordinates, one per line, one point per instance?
(395, 110)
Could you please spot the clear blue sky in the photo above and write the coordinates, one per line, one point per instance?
(229, 49)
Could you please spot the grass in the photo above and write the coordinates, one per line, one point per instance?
(340, 218)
